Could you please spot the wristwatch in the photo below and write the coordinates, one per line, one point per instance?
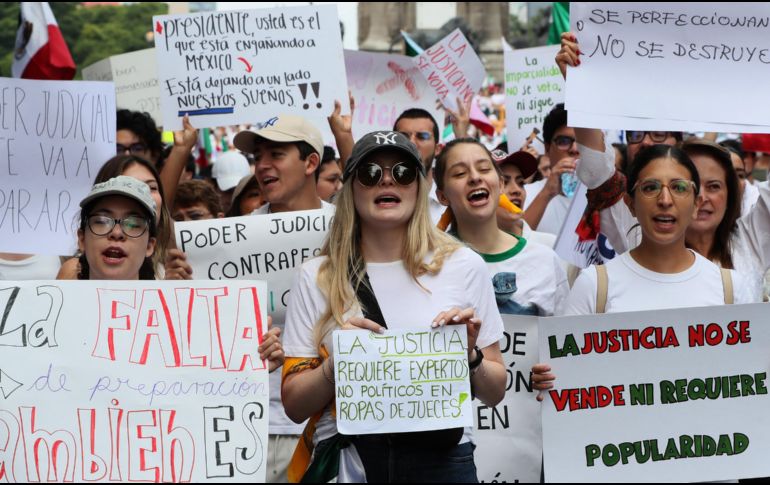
(477, 361)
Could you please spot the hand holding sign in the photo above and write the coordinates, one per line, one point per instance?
(569, 54)
(542, 379)
(187, 137)
(237, 67)
(457, 316)
(271, 348)
(400, 381)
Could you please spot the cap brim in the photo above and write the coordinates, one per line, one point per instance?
(98, 195)
(246, 141)
(526, 162)
(244, 182)
(228, 182)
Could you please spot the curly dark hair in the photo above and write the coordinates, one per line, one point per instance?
(144, 127)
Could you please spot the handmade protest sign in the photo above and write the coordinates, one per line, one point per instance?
(669, 61)
(402, 380)
(452, 69)
(580, 118)
(54, 138)
(570, 248)
(533, 86)
(225, 68)
(384, 86)
(128, 381)
(669, 395)
(135, 75)
(265, 247)
(509, 443)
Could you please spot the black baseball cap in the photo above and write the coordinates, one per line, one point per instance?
(381, 140)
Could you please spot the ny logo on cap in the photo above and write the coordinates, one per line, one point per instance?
(271, 122)
(388, 138)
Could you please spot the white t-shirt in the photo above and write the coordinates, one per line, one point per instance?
(462, 282)
(556, 212)
(634, 288)
(541, 287)
(37, 267)
(544, 238)
(280, 423)
(750, 241)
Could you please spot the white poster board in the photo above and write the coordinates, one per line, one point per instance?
(135, 75)
(106, 381)
(402, 380)
(54, 138)
(452, 68)
(509, 439)
(661, 396)
(533, 86)
(232, 67)
(260, 247)
(670, 61)
(384, 86)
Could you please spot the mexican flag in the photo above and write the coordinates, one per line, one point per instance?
(40, 51)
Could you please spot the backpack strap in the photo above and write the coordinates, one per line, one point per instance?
(602, 288)
(368, 301)
(727, 284)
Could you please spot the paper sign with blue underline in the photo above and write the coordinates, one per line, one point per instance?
(402, 380)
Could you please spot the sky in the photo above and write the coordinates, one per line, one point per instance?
(348, 13)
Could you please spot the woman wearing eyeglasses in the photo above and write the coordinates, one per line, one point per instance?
(718, 232)
(118, 231)
(383, 248)
(661, 272)
(117, 237)
(143, 171)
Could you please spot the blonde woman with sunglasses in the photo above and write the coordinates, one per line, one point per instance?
(382, 240)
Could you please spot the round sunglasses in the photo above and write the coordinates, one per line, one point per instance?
(370, 174)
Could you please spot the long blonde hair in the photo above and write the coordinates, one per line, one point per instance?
(343, 255)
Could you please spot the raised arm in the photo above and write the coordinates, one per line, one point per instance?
(342, 129)
(172, 170)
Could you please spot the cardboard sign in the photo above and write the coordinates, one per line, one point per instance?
(669, 395)
(533, 86)
(670, 61)
(509, 439)
(403, 380)
(136, 81)
(107, 381)
(54, 138)
(384, 86)
(226, 68)
(260, 247)
(452, 69)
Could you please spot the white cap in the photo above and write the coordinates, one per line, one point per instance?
(229, 169)
(127, 187)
